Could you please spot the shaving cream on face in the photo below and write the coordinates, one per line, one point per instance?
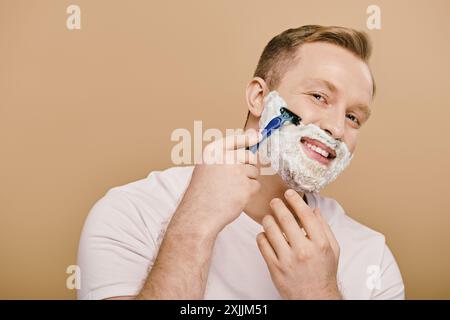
(284, 151)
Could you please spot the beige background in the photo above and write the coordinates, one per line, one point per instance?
(83, 111)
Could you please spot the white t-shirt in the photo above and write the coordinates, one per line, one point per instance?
(124, 229)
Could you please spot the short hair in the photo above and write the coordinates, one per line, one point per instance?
(280, 52)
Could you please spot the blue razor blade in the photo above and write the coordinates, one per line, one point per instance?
(276, 123)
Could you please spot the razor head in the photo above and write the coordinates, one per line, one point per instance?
(290, 116)
(275, 124)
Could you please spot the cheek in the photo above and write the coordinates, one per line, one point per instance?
(351, 142)
(300, 105)
(307, 111)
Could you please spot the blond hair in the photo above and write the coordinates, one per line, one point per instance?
(279, 53)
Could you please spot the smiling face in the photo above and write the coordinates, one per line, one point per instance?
(306, 157)
(330, 87)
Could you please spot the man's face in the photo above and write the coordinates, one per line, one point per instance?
(330, 87)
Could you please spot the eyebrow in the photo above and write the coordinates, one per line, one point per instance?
(323, 82)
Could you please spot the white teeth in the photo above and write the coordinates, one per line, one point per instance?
(318, 150)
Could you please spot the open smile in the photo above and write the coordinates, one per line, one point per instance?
(316, 150)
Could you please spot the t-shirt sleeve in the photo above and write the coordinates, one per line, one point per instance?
(116, 249)
(390, 283)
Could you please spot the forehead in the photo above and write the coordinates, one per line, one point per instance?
(319, 60)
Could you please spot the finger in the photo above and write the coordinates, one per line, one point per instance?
(237, 141)
(307, 217)
(275, 237)
(329, 233)
(266, 249)
(288, 224)
(251, 171)
(246, 156)
(255, 185)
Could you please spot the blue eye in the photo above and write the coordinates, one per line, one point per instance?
(318, 97)
(353, 118)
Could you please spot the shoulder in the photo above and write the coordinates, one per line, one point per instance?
(343, 223)
(171, 181)
(365, 256)
(158, 193)
(123, 231)
(148, 202)
(360, 246)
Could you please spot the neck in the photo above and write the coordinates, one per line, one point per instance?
(272, 186)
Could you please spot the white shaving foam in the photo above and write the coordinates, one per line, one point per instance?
(284, 151)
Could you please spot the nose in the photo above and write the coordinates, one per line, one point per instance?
(334, 124)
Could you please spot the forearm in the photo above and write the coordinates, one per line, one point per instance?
(181, 268)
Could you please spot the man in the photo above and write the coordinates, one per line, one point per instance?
(224, 231)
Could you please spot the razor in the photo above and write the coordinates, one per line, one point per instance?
(275, 124)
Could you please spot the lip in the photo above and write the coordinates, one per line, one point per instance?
(314, 155)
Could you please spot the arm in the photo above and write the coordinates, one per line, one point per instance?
(214, 198)
(177, 272)
(391, 286)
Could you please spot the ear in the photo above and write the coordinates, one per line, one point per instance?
(256, 90)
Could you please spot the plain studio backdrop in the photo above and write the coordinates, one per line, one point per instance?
(84, 110)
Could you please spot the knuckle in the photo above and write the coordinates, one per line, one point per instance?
(284, 218)
(267, 222)
(260, 238)
(307, 216)
(303, 254)
(323, 246)
(275, 203)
